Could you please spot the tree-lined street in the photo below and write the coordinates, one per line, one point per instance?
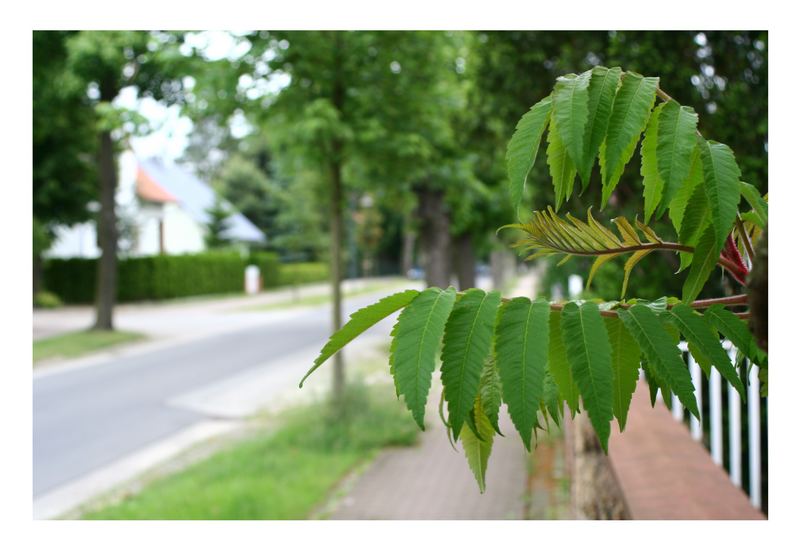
(85, 418)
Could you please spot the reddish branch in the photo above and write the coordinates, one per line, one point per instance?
(733, 300)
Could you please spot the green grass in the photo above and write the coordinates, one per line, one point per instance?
(284, 473)
(314, 300)
(78, 343)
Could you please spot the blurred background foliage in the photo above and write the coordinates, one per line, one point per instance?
(414, 123)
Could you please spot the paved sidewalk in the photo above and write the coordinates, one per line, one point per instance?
(194, 317)
(432, 481)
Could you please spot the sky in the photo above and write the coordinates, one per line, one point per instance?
(171, 130)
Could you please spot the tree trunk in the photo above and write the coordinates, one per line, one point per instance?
(336, 222)
(465, 261)
(596, 494)
(336, 226)
(758, 292)
(434, 237)
(409, 239)
(107, 237)
(38, 273)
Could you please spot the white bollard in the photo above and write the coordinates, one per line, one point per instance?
(252, 279)
(575, 285)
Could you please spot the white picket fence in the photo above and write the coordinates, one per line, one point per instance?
(733, 432)
(715, 416)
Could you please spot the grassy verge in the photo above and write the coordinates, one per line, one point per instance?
(78, 343)
(283, 473)
(548, 492)
(314, 300)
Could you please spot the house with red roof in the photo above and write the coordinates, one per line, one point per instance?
(162, 209)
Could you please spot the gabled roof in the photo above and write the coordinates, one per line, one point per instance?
(165, 180)
(148, 189)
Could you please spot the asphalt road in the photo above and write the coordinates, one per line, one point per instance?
(87, 418)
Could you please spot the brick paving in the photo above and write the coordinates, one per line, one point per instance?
(665, 474)
(432, 481)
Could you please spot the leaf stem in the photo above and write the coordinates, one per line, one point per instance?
(669, 246)
(748, 245)
(733, 300)
(662, 246)
(663, 95)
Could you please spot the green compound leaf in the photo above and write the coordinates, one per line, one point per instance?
(602, 89)
(629, 117)
(490, 392)
(704, 261)
(697, 331)
(571, 112)
(478, 447)
(679, 204)
(625, 363)
(562, 169)
(629, 264)
(521, 348)
(651, 179)
(696, 217)
(652, 383)
(677, 139)
(721, 184)
(558, 366)
(759, 204)
(696, 220)
(467, 342)
(589, 354)
(415, 344)
(524, 146)
(552, 402)
(736, 330)
(360, 321)
(664, 358)
(702, 360)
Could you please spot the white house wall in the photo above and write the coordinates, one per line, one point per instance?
(76, 241)
(181, 233)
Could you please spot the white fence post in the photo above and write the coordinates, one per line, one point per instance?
(735, 435)
(715, 405)
(697, 379)
(677, 408)
(734, 429)
(754, 435)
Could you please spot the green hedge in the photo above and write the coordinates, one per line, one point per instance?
(170, 276)
(302, 273)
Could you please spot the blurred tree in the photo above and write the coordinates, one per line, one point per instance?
(413, 149)
(369, 232)
(216, 226)
(106, 62)
(301, 229)
(314, 119)
(210, 145)
(495, 104)
(64, 145)
(252, 192)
